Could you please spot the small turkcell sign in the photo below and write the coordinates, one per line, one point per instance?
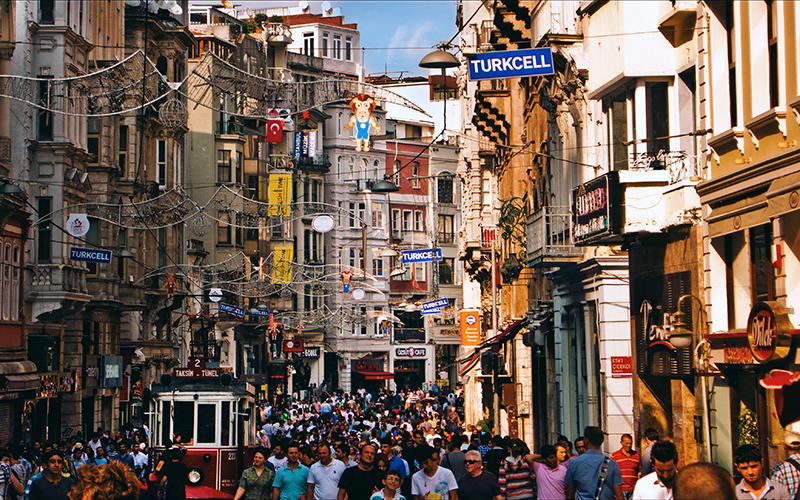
(90, 255)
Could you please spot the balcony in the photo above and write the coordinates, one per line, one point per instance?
(319, 163)
(409, 335)
(550, 240)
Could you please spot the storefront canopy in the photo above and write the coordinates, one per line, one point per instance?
(376, 375)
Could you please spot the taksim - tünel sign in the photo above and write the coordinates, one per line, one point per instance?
(511, 64)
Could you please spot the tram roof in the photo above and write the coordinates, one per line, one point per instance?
(200, 386)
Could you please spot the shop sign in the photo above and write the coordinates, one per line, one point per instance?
(738, 355)
(310, 352)
(111, 371)
(66, 382)
(593, 214)
(410, 352)
(470, 328)
(293, 345)
(449, 332)
(621, 366)
(768, 331)
(511, 64)
(48, 385)
(367, 365)
(443, 382)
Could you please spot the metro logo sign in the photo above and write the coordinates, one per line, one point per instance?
(769, 331)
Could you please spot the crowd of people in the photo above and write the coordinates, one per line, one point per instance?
(388, 446)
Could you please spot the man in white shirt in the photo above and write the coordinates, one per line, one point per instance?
(323, 478)
(278, 459)
(754, 484)
(432, 482)
(658, 484)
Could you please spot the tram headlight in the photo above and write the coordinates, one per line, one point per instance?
(195, 476)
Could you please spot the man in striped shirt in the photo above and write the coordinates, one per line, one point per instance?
(628, 460)
(516, 477)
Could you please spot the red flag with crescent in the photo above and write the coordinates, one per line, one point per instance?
(274, 128)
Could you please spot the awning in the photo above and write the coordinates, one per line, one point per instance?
(376, 375)
(17, 367)
(18, 383)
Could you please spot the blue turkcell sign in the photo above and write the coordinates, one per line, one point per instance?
(434, 310)
(412, 256)
(90, 255)
(435, 304)
(511, 64)
(230, 309)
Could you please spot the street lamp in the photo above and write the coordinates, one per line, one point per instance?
(443, 60)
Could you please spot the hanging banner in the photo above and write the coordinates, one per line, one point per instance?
(78, 225)
(312, 144)
(298, 144)
(470, 328)
(280, 194)
(274, 130)
(282, 264)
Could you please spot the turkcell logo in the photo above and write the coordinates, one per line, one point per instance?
(411, 256)
(510, 64)
(89, 255)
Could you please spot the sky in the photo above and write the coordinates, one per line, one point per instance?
(396, 34)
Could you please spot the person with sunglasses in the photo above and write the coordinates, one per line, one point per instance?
(478, 484)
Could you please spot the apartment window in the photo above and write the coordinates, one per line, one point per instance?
(353, 222)
(223, 165)
(277, 231)
(324, 44)
(377, 267)
(356, 258)
(122, 237)
(377, 215)
(731, 41)
(376, 165)
(761, 270)
(444, 189)
(123, 149)
(657, 118)
(337, 46)
(446, 275)
(419, 271)
(352, 165)
(348, 48)
(44, 120)
(407, 221)
(396, 221)
(772, 41)
(308, 44)
(398, 264)
(445, 229)
(619, 131)
(363, 324)
(224, 229)
(93, 140)
(395, 174)
(44, 252)
(161, 162)
(419, 224)
(46, 11)
(239, 166)
(415, 175)
(362, 214)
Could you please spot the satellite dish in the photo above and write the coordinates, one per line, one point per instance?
(303, 5)
(326, 7)
(176, 10)
(132, 3)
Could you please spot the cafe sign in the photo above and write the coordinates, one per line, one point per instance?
(769, 331)
(593, 209)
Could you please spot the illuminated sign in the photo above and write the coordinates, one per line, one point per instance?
(768, 331)
(593, 209)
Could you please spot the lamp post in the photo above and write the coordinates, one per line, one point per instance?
(441, 59)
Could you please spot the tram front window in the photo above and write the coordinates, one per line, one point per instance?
(225, 437)
(206, 423)
(183, 421)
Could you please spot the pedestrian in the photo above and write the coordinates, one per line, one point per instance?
(516, 476)
(495, 456)
(291, 479)
(363, 480)
(754, 484)
(703, 480)
(658, 484)
(549, 474)
(278, 458)
(174, 475)
(432, 482)
(395, 463)
(10, 485)
(629, 463)
(256, 481)
(650, 438)
(454, 461)
(112, 481)
(788, 472)
(580, 445)
(324, 475)
(52, 485)
(593, 476)
(478, 484)
(391, 486)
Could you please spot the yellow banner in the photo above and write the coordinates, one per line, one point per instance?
(280, 194)
(282, 264)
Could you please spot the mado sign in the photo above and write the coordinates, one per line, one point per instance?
(510, 64)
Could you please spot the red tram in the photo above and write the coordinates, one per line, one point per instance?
(215, 417)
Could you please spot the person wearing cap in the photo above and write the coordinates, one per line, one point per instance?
(75, 460)
(788, 472)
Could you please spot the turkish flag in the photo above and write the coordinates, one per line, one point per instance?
(275, 130)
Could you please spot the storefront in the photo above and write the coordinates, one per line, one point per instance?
(369, 373)
(413, 367)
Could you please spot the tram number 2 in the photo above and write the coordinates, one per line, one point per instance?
(231, 457)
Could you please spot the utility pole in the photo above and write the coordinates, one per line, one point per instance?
(495, 367)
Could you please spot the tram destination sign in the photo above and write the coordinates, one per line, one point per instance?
(188, 372)
(511, 64)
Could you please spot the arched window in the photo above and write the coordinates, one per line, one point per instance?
(161, 65)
